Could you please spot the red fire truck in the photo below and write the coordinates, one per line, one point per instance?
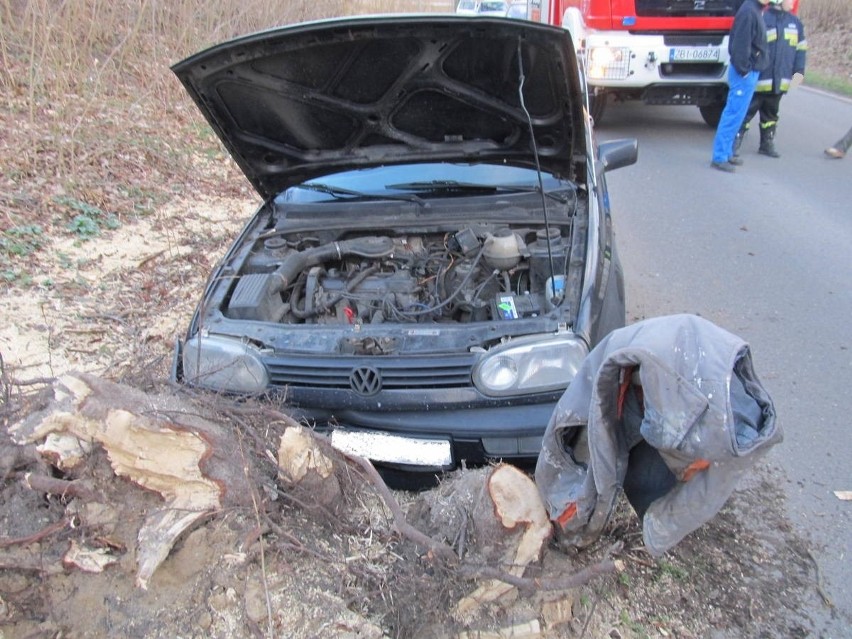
(656, 51)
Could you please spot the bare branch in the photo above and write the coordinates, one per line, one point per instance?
(61, 487)
(402, 526)
(41, 534)
(573, 580)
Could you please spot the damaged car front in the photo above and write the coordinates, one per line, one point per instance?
(434, 255)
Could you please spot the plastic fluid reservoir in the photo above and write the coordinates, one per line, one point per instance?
(540, 267)
(502, 250)
(554, 289)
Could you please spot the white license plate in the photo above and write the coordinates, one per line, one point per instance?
(694, 54)
(394, 449)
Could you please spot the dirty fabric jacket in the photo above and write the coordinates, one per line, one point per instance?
(678, 386)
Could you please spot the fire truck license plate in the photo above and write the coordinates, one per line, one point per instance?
(694, 54)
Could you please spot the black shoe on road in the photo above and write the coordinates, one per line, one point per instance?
(727, 167)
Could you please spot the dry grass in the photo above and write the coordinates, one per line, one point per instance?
(828, 25)
(826, 15)
(95, 130)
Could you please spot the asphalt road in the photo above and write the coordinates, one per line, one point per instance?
(767, 254)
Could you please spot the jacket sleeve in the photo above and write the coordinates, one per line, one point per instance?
(801, 50)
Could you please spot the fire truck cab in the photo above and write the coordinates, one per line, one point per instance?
(656, 51)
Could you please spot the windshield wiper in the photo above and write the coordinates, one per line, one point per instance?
(449, 186)
(342, 193)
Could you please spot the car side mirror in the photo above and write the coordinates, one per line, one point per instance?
(615, 154)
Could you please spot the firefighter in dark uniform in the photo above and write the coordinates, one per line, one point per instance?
(787, 48)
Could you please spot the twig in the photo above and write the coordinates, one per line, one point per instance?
(574, 580)
(18, 566)
(402, 526)
(149, 258)
(641, 562)
(89, 330)
(589, 616)
(41, 534)
(294, 542)
(60, 487)
(822, 593)
(32, 382)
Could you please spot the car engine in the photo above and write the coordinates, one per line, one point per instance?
(475, 274)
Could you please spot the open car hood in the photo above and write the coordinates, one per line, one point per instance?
(299, 102)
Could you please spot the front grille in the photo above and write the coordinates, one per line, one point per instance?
(687, 8)
(692, 70)
(680, 39)
(699, 95)
(392, 374)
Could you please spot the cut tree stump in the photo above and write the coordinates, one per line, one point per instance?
(159, 442)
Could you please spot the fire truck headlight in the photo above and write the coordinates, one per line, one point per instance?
(608, 63)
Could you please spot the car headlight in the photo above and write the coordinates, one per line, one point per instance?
(224, 364)
(608, 63)
(530, 365)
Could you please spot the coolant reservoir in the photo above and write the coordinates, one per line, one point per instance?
(502, 250)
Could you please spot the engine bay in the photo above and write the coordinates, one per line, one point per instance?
(478, 273)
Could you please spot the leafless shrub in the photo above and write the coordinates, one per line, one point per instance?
(826, 15)
(90, 114)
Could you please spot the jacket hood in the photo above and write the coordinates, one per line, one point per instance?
(298, 102)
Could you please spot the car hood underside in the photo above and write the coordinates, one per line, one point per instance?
(299, 102)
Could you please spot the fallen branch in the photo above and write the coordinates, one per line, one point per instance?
(33, 381)
(26, 567)
(41, 534)
(61, 487)
(822, 593)
(400, 524)
(573, 580)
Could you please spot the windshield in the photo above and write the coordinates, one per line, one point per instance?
(441, 179)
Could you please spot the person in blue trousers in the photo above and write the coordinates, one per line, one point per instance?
(747, 48)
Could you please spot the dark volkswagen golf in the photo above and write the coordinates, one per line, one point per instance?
(434, 255)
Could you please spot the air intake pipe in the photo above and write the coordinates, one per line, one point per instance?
(295, 263)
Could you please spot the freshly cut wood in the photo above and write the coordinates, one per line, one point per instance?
(159, 442)
(304, 464)
(522, 527)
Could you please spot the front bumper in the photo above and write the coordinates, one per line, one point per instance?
(446, 425)
(445, 437)
(619, 60)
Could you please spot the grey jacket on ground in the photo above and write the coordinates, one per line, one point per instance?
(700, 406)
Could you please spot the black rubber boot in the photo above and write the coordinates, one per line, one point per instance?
(767, 142)
(738, 140)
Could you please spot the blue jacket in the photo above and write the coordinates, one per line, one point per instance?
(747, 40)
(785, 36)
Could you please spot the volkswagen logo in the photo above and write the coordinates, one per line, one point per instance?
(365, 380)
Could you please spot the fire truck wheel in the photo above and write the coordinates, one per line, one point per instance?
(712, 113)
(597, 106)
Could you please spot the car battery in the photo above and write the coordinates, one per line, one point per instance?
(507, 306)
